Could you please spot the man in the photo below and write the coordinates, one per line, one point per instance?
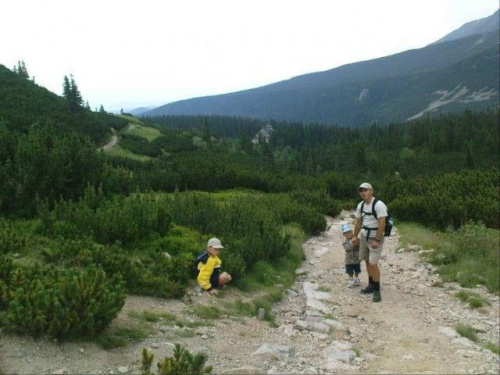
(370, 221)
(210, 277)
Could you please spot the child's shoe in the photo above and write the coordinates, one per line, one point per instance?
(351, 284)
(357, 282)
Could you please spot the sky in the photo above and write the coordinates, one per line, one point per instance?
(125, 54)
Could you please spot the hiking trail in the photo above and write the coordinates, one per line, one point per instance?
(324, 327)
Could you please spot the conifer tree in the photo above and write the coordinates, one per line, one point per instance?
(21, 69)
(205, 132)
(72, 94)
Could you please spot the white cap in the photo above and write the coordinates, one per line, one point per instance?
(215, 243)
(365, 185)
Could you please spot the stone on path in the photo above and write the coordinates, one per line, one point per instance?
(273, 351)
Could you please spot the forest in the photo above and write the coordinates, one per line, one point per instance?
(79, 221)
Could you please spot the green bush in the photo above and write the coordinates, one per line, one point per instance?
(448, 200)
(146, 274)
(60, 303)
(183, 362)
(11, 239)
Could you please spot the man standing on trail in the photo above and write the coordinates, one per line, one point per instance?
(371, 215)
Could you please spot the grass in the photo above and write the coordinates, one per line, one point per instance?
(356, 350)
(270, 280)
(152, 317)
(412, 233)
(469, 256)
(120, 152)
(493, 348)
(121, 337)
(131, 119)
(475, 300)
(207, 312)
(467, 331)
(238, 308)
(144, 132)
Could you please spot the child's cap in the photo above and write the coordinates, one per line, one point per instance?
(215, 243)
(346, 228)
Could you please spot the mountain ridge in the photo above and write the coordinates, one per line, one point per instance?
(332, 96)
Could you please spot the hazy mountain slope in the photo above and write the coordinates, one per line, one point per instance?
(481, 26)
(391, 88)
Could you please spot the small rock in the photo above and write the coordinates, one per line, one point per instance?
(155, 346)
(61, 371)
(245, 370)
(261, 314)
(123, 369)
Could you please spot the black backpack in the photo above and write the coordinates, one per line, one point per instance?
(389, 220)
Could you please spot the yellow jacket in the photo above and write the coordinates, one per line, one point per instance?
(209, 270)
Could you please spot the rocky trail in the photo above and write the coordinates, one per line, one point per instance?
(323, 326)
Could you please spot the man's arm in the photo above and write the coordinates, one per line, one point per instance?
(357, 227)
(381, 228)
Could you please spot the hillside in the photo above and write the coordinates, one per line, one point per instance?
(24, 103)
(392, 88)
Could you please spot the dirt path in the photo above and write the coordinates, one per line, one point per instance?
(110, 144)
(323, 326)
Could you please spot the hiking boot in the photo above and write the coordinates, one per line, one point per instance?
(376, 296)
(369, 289)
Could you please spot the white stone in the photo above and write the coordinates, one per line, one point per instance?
(274, 351)
(448, 331)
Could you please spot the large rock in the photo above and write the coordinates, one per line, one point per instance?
(314, 297)
(274, 352)
(339, 351)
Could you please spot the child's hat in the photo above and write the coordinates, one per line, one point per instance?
(215, 243)
(346, 228)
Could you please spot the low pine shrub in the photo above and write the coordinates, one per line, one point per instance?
(11, 240)
(183, 362)
(59, 303)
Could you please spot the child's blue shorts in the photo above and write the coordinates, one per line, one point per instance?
(352, 269)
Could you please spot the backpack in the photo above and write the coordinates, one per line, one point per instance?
(389, 220)
(200, 258)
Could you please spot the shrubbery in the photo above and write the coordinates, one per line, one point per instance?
(59, 303)
(447, 200)
(182, 362)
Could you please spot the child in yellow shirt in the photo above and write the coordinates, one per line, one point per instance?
(210, 278)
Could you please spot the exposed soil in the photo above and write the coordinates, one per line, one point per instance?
(411, 331)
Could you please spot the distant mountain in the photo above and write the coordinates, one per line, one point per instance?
(138, 111)
(444, 76)
(481, 26)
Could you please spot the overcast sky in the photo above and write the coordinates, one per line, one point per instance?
(128, 54)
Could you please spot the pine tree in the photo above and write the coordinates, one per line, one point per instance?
(205, 132)
(72, 94)
(21, 69)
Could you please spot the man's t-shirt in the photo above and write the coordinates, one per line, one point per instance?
(370, 221)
